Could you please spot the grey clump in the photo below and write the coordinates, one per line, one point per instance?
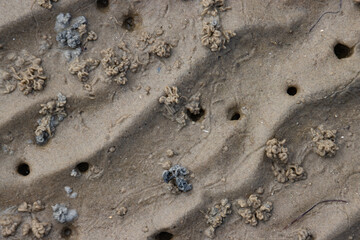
(69, 37)
(62, 21)
(62, 214)
(70, 192)
(61, 101)
(183, 185)
(167, 176)
(215, 22)
(73, 38)
(61, 98)
(42, 138)
(73, 195)
(75, 173)
(77, 22)
(54, 113)
(178, 173)
(72, 54)
(68, 189)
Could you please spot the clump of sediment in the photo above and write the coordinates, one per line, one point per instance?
(63, 214)
(161, 49)
(9, 224)
(114, 66)
(39, 229)
(171, 96)
(304, 234)
(176, 175)
(282, 169)
(25, 71)
(83, 68)
(31, 77)
(193, 105)
(213, 35)
(253, 209)
(216, 215)
(46, 3)
(325, 141)
(72, 34)
(213, 7)
(7, 82)
(37, 206)
(53, 113)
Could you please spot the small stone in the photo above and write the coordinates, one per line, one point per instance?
(260, 190)
(75, 173)
(121, 211)
(145, 229)
(40, 229)
(169, 153)
(210, 232)
(24, 207)
(166, 165)
(62, 214)
(26, 229)
(242, 203)
(147, 89)
(9, 224)
(73, 195)
(112, 149)
(38, 206)
(68, 189)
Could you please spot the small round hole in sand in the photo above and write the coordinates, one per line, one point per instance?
(66, 232)
(233, 113)
(195, 117)
(163, 236)
(342, 51)
(82, 167)
(291, 91)
(129, 23)
(235, 116)
(23, 169)
(102, 3)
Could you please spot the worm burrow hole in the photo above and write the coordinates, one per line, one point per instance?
(291, 90)
(195, 117)
(163, 236)
(342, 51)
(23, 169)
(66, 232)
(102, 3)
(82, 167)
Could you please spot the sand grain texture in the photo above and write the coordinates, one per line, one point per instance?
(231, 102)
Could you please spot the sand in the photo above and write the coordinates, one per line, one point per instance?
(245, 72)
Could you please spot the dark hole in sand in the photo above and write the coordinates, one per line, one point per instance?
(66, 232)
(342, 51)
(102, 3)
(129, 23)
(23, 169)
(82, 167)
(195, 117)
(235, 116)
(163, 236)
(292, 91)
